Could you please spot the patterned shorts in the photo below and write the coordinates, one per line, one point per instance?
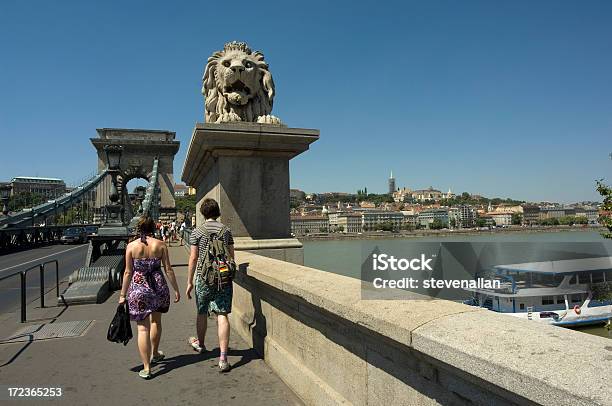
(209, 299)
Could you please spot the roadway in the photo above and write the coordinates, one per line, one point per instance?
(70, 257)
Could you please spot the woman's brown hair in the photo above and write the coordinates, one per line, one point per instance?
(145, 226)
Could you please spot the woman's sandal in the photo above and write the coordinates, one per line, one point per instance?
(157, 358)
(195, 344)
(145, 373)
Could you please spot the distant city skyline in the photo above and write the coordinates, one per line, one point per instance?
(496, 99)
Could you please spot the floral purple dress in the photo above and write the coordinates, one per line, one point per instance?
(148, 291)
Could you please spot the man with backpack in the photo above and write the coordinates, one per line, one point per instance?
(211, 271)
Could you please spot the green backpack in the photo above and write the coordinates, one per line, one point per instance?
(217, 268)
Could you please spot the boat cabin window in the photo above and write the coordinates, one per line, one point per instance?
(522, 306)
(577, 298)
(560, 300)
(597, 277)
(558, 278)
(542, 279)
(574, 279)
(609, 276)
(548, 300)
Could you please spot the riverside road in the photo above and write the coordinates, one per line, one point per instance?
(70, 257)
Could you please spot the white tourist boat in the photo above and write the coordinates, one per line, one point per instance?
(556, 292)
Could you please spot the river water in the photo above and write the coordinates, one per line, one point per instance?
(345, 257)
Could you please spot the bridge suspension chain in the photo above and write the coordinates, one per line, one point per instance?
(75, 198)
(150, 203)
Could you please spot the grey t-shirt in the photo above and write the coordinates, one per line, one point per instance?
(200, 239)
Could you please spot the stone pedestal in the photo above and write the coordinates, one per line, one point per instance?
(245, 167)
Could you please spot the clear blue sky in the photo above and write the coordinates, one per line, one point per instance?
(509, 99)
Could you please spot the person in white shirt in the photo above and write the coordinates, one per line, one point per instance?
(173, 231)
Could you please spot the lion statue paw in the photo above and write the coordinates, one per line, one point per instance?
(269, 119)
(228, 118)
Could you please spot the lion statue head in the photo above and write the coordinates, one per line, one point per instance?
(237, 86)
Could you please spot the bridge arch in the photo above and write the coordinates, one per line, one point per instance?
(140, 149)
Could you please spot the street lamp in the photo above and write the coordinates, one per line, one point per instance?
(114, 210)
(113, 156)
(5, 194)
(140, 195)
(77, 208)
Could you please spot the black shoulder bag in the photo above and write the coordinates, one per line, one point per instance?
(120, 330)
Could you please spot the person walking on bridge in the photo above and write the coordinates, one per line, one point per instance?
(146, 291)
(212, 262)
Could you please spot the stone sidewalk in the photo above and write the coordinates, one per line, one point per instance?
(93, 371)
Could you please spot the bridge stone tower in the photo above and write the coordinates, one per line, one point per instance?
(140, 147)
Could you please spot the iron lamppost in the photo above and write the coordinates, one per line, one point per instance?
(114, 210)
(5, 194)
(140, 195)
(187, 218)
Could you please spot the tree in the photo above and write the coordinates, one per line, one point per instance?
(480, 222)
(386, 226)
(24, 200)
(581, 220)
(550, 222)
(184, 203)
(517, 218)
(453, 223)
(436, 224)
(602, 291)
(606, 218)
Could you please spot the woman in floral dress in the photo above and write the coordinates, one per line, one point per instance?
(146, 291)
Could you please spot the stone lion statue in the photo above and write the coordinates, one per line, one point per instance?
(237, 86)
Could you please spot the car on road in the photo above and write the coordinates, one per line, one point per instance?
(91, 231)
(74, 235)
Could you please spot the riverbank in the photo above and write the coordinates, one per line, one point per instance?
(444, 233)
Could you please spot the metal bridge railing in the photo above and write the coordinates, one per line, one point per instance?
(14, 239)
(42, 267)
(50, 207)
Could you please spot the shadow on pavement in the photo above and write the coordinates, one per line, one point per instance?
(171, 363)
(248, 355)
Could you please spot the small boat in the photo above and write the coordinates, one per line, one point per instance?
(562, 292)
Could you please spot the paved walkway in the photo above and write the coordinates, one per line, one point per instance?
(93, 371)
